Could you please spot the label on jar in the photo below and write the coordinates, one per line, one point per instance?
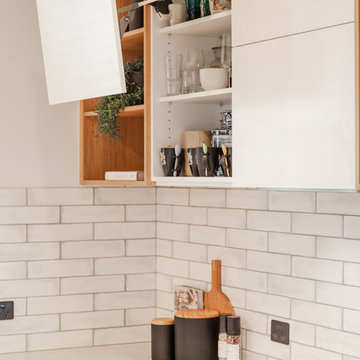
(233, 352)
(222, 349)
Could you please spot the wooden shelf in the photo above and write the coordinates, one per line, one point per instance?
(213, 25)
(133, 42)
(131, 111)
(114, 182)
(221, 96)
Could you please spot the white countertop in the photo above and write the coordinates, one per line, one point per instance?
(139, 351)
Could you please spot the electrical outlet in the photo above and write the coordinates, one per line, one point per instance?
(280, 332)
(6, 310)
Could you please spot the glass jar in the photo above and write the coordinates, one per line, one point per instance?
(217, 6)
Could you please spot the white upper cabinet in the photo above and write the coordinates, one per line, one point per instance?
(257, 20)
(81, 49)
(294, 103)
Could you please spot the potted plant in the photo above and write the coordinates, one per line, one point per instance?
(110, 106)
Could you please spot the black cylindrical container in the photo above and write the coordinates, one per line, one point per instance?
(162, 339)
(196, 334)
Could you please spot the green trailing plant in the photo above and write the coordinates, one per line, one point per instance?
(110, 106)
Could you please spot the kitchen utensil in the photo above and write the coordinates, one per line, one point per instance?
(173, 73)
(162, 339)
(205, 150)
(191, 140)
(177, 13)
(215, 298)
(178, 151)
(207, 163)
(196, 334)
(224, 150)
(212, 79)
(168, 159)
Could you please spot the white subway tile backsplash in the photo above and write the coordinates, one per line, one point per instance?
(247, 199)
(173, 196)
(59, 304)
(60, 340)
(165, 300)
(317, 224)
(12, 271)
(23, 288)
(317, 269)
(269, 221)
(172, 266)
(246, 239)
(200, 271)
(228, 257)
(338, 249)
(236, 296)
(30, 324)
(352, 321)
(292, 287)
(164, 213)
(164, 248)
(227, 218)
(302, 352)
(92, 320)
(124, 335)
(164, 282)
(139, 316)
(292, 201)
(60, 232)
(143, 247)
(87, 214)
(263, 344)
(125, 265)
(207, 197)
(16, 252)
(12, 197)
(267, 262)
(352, 274)
(125, 196)
(12, 344)
(125, 300)
(338, 341)
(65, 196)
(92, 284)
(338, 295)
(318, 314)
(140, 282)
(352, 227)
(29, 215)
(270, 304)
(134, 230)
(190, 215)
(12, 234)
(140, 212)
(168, 231)
(338, 203)
(207, 235)
(245, 279)
(59, 268)
(292, 244)
(92, 249)
(187, 251)
(252, 321)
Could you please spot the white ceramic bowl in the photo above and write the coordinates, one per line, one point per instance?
(212, 79)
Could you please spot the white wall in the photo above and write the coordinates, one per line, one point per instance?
(38, 142)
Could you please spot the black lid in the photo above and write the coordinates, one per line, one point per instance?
(223, 323)
(233, 325)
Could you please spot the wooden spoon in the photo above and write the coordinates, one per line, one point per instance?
(215, 299)
(224, 150)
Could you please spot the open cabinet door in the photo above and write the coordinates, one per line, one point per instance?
(81, 49)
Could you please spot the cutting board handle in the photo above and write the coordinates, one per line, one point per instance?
(216, 275)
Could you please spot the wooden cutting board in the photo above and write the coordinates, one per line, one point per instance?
(215, 299)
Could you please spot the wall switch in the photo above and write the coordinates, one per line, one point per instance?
(6, 310)
(280, 332)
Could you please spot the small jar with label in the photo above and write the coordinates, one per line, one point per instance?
(222, 342)
(233, 338)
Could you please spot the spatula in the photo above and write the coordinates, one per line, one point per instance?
(215, 299)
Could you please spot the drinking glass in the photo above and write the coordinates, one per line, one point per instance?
(173, 73)
(226, 55)
(194, 61)
(192, 9)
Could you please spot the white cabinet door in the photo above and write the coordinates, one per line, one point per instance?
(294, 111)
(81, 49)
(257, 20)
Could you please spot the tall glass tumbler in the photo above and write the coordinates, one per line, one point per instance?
(173, 73)
(193, 10)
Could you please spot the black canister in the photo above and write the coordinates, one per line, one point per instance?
(162, 339)
(196, 334)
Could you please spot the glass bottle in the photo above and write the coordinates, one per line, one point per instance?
(233, 338)
(222, 342)
(205, 8)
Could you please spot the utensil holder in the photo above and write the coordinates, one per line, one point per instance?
(192, 162)
(207, 161)
(226, 162)
(168, 158)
